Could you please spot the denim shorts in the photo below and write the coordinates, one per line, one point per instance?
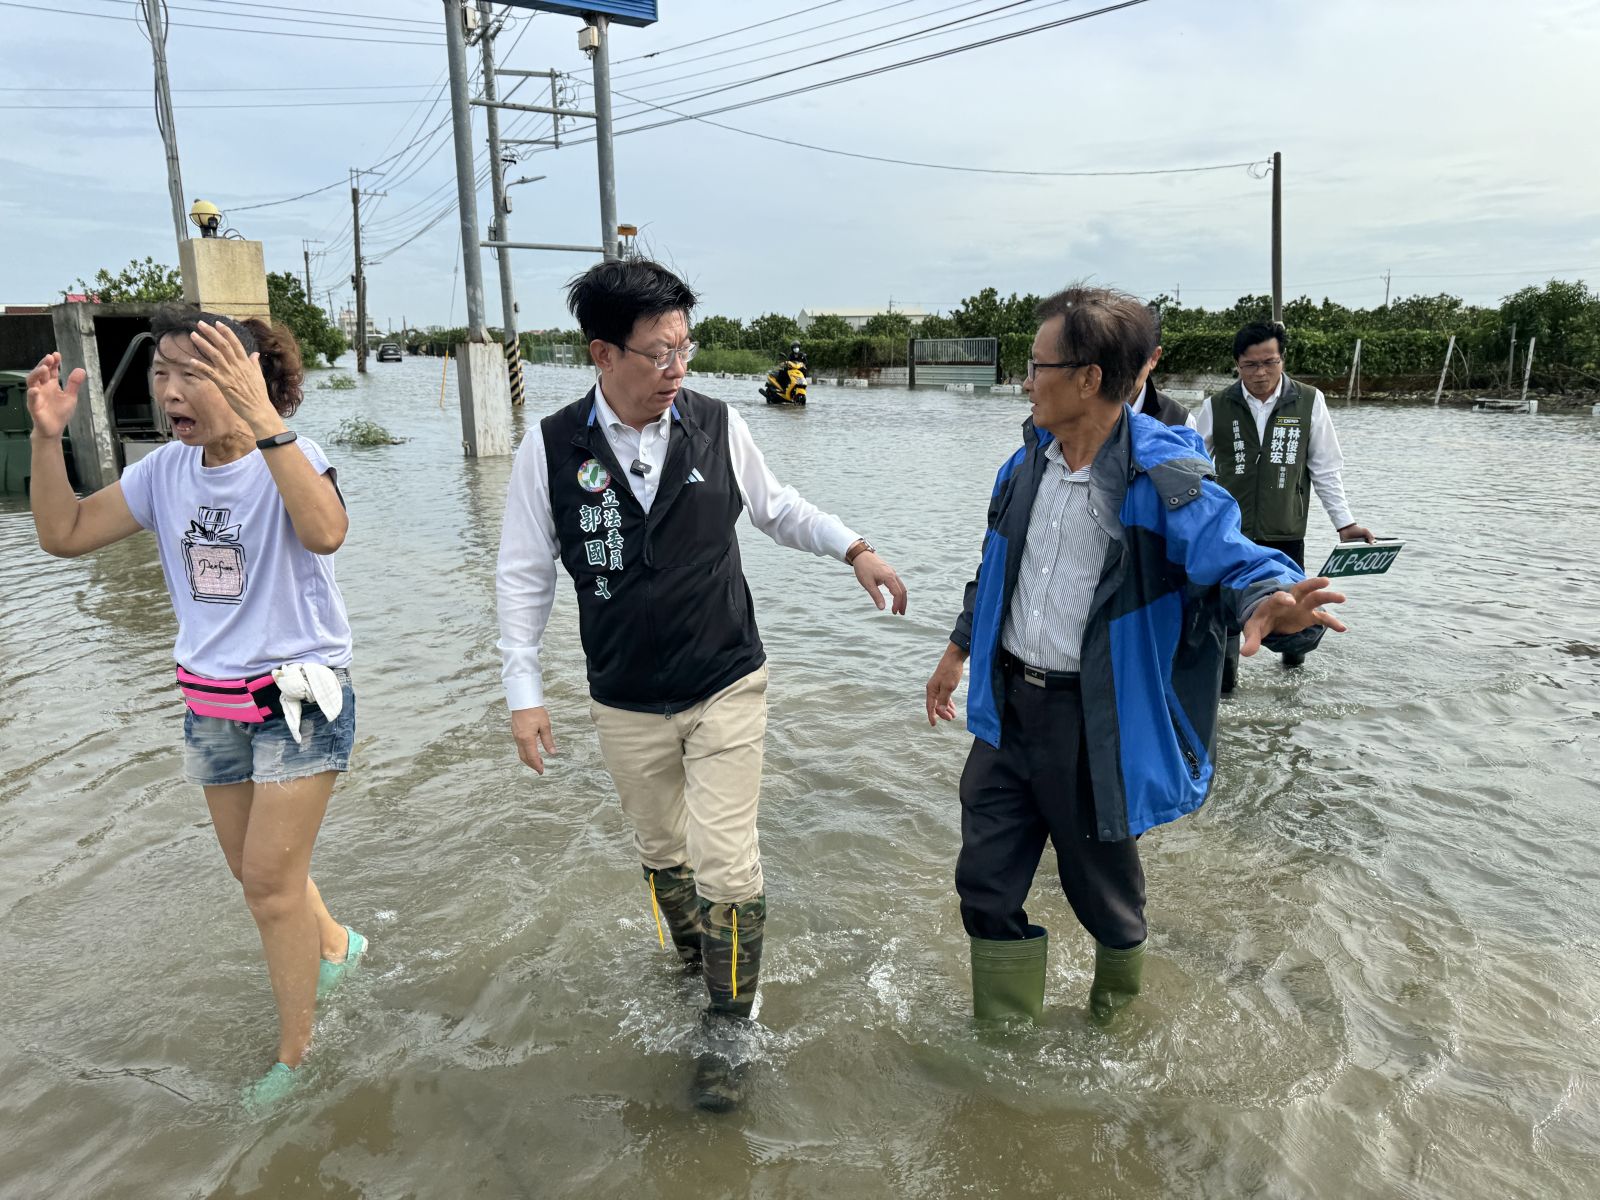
(218, 752)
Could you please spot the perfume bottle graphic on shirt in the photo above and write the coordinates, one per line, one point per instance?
(214, 558)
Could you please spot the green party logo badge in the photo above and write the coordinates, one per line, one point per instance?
(593, 476)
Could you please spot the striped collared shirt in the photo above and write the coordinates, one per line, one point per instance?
(1061, 564)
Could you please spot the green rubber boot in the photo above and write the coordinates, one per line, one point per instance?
(672, 889)
(1008, 977)
(1117, 974)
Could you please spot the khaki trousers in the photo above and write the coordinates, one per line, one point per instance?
(690, 784)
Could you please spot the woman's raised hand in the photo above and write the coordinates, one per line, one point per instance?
(49, 404)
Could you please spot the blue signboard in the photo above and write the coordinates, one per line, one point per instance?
(623, 12)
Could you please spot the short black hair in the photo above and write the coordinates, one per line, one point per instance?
(610, 298)
(280, 351)
(1155, 321)
(172, 319)
(1105, 328)
(1255, 333)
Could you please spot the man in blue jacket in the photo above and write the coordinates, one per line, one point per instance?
(1113, 571)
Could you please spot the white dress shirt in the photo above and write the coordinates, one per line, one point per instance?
(1138, 407)
(1324, 459)
(1061, 565)
(525, 581)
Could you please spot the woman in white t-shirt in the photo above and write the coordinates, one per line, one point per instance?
(246, 518)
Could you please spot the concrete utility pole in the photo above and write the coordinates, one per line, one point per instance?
(1277, 235)
(1386, 276)
(481, 378)
(305, 247)
(597, 46)
(359, 279)
(156, 28)
(502, 206)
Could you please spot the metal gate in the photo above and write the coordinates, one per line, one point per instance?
(939, 361)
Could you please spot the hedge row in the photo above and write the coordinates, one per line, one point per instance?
(1404, 352)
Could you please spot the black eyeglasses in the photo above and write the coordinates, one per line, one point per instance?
(1034, 366)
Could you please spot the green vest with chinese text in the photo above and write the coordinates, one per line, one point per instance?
(1269, 478)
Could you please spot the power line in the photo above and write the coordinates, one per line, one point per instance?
(908, 162)
(205, 107)
(239, 208)
(880, 70)
(902, 39)
(811, 29)
(431, 24)
(731, 32)
(342, 87)
(898, 38)
(321, 37)
(417, 140)
(373, 23)
(1494, 274)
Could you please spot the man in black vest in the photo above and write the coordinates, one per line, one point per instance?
(1273, 442)
(1146, 399)
(636, 488)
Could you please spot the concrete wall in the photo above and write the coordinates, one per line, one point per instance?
(225, 275)
(940, 374)
(93, 438)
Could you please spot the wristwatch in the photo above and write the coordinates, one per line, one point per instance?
(857, 548)
(277, 439)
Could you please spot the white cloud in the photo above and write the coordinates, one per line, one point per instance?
(1439, 138)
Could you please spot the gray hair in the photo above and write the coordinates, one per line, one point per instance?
(1105, 328)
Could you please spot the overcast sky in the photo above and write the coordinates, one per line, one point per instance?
(1450, 141)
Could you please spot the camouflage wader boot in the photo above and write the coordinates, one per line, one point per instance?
(731, 946)
(673, 896)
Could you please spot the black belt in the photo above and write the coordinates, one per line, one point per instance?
(1051, 681)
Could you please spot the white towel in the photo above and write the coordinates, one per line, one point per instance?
(299, 682)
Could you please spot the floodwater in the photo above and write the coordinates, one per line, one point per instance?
(1374, 952)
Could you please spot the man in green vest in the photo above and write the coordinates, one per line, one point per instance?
(1273, 442)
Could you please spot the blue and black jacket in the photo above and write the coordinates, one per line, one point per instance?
(1178, 578)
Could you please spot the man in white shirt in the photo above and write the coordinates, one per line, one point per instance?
(1276, 445)
(1112, 568)
(636, 487)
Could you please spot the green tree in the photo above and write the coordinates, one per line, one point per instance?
(936, 326)
(286, 298)
(979, 316)
(727, 332)
(146, 282)
(987, 315)
(773, 333)
(829, 327)
(887, 324)
(1564, 316)
(1419, 312)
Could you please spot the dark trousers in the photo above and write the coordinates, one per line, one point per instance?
(1035, 786)
(1296, 550)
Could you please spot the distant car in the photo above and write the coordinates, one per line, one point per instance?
(389, 352)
